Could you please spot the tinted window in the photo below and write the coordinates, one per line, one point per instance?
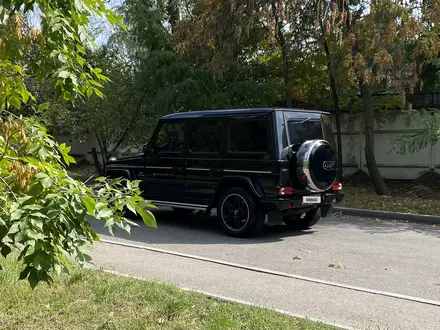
(329, 136)
(302, 130)
(206, 136)
(170, 137)
(248, 136)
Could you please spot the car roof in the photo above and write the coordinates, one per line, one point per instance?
(234, 112)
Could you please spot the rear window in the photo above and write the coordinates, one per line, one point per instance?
(329, 136)
(248, 136)
(301, 130)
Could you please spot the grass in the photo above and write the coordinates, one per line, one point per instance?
(92, 299)
(401, 199)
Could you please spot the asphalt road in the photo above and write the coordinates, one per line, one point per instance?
(398, 258)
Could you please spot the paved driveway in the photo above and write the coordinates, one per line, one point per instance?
(398, 258)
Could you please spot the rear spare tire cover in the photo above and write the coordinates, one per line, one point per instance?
(317, 165)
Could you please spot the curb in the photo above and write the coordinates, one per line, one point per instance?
(416, 218)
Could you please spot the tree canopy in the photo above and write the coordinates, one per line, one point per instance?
(44, 213)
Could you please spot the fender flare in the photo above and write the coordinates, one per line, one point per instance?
(231, 181)
(119, 172)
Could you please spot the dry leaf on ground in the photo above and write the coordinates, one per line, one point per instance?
(297, 258)
(337, 266)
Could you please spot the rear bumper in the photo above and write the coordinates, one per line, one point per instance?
(294, 205)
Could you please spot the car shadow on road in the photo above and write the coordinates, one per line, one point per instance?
(194, 229)
(378, 226)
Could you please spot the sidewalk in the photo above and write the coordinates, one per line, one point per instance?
(333, 305)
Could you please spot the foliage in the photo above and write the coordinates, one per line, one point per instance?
(43, 212)
(427, 122)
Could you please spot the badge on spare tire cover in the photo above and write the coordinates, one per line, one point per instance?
(330, 165)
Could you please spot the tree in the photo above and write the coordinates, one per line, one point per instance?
(384, 44)
(43, 212)
(245, 25)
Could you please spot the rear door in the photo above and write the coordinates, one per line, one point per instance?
(204, 160)
(164, 163)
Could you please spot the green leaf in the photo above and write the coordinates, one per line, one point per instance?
(93, 82)
(104, 213)
(5, 251)
(54, 53)
(80, 60)
(43, 106)
(24, 94)
(15, 102)
(64, 74)
(89, 91)
(24, 273)
(85, 248)
(146, 204)
(43, 153)
(132, 208)
(81, 49)
(24, 199)
(46, 182)
(62, 58)
(90, 204)
(147, 217)
(98, 93)
(69, 159)
(34, 235)
(33, 207)
(33, 278)
(16, 215)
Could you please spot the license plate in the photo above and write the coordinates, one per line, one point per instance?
(311, 199)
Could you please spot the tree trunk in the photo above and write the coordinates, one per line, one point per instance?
(96, 162)
(103, 147)
(335, 98)
(286, 75)
(378, 182)
(285, 53)
(130, 126)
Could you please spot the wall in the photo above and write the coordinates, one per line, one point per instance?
(391, 164)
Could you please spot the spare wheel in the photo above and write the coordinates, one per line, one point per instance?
(316, 165)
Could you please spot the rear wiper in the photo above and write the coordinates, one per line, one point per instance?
(302, 122)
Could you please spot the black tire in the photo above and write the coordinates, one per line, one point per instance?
(239, 214)
(311, 218)
(182, 211)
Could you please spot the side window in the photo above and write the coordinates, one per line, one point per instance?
(248, 136)
(206, 136)
(170, 137)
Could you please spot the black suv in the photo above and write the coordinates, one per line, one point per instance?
(252, 165)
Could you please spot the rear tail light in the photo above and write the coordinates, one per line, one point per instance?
(337, 186)
(285, 191)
